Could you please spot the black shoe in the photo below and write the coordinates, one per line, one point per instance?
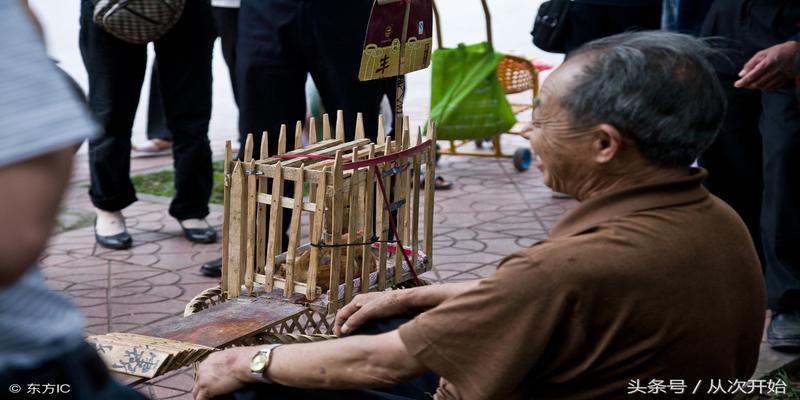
(200, 235)
(784, 330)
(119, 241)
(212, 268)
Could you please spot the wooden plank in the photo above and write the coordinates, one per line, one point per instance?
(381, 215)
(367, 264)
(312, 131)
(297, 287)
(227, 322)
(294, 236)
(326, 127)
(359, 126)
(316, 237)
(286, 202)
(345, 146)
(340, 125)
(282, 140)
(352, 236)
(236, 241)
(430, 177)
(415, 200)
(226, 212)
(275, 234)
(298, 136)
(261, 216)
(336, 227)
(399, 220)
(250, 231)
(309, 149)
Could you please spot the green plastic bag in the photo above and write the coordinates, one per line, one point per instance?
(467, 101)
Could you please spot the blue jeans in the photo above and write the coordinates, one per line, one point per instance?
(421, 387)
(116, 72)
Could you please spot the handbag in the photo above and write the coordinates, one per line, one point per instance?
(137, 21)
(549, 27)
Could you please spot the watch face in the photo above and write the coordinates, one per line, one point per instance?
(258, 362)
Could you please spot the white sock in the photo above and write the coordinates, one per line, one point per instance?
(194, 223)
(109, 223)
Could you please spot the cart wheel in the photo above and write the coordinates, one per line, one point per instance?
(522, 159)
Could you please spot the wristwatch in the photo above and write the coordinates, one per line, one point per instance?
(260, 362)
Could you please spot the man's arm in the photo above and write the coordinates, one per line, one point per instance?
(353, 362)
(32, 191)
(370, 306)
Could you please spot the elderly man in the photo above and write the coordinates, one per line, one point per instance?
(651, 278)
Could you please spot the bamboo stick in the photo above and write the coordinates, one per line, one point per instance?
(326, 127)
(367, 264)
(340, 125)
(336, 230)
(430, 178)
(282, 140)
(298, 135)
(312, 131)
(316, 236)
(359, 126)
(276, 227)
(250, 231)
(294, 234)
(248, 148)
(226, 212)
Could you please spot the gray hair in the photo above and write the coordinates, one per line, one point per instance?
(657, 87)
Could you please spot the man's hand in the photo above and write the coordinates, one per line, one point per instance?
(769, 69)
(224, 372)
(368, 306)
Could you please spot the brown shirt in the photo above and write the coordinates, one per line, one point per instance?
(660, 281)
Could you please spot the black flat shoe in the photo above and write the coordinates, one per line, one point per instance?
(212, 268)
(784, 331)
(201, 235)
(119, 241)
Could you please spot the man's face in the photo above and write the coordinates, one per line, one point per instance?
(563, 152)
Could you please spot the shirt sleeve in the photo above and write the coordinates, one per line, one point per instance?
(39, 111)
(486, 341)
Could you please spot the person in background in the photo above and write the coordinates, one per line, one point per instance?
(159, 139)
(684, 16)
(280, 43)
(588, 20)
(41, 332)
(116, 71)
(754, 164)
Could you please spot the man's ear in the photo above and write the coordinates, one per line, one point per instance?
(607, 143)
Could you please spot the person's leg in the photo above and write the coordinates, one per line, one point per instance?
(156, 122)
(336, 34)
(227, 23)
(780, 217)
(734, 161)
(116, 71)
(270, 76)
(184, 65)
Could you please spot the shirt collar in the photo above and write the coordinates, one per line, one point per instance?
(606, 206)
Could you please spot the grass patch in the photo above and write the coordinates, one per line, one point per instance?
(162, 183)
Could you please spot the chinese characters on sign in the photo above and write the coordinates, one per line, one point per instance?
(47, 388)
(711, 386)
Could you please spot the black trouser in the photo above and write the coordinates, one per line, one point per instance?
(226, 20)
(587, 22)
(116, 71)
(754, 164)
(280, 43)
(421, 387)
(79, 374)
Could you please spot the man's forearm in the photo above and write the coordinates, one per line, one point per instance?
(425, 297)
(353, 362)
